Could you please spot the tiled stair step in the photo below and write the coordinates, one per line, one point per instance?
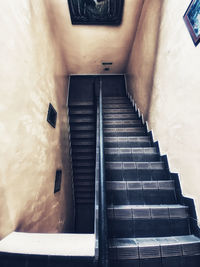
(84, 189)
(83, 134)
(132, 154)
(81, 103)
(118, 111)
(120, 132)
(82, 119)
(83, 170)
(140, 192)
(122, 123)
(173, 251)
(83, 163)
(82, 143)
(148, 220)
(84, 177)
(136, 171)
(85, 195)
(84, 201)
(81, 183)
(81, 111)
(84, 150)
(118, 105)
(86, 156)
(111, 100)
(133, 116)
(88, 127)
(123, 142)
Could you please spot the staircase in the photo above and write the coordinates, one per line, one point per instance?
(147, 225)
(83, 143)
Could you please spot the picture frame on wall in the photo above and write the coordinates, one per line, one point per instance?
(192, 20)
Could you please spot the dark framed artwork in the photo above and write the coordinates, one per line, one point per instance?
(96, 12)
(192, 20)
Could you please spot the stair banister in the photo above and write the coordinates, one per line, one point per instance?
(100, 199)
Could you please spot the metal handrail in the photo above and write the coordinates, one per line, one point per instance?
(101, 228)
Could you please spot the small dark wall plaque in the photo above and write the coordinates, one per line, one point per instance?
(52, 116)
(58, 181)
(96, 12)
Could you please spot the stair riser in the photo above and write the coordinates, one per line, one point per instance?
(127, 144)
(108, 117)
(180, 261)
(136, 175)
(132, 157)
(147, 228)
(141, 197)
(124, 134)
(117, 125)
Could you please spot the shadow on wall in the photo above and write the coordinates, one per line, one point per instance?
(141, 66)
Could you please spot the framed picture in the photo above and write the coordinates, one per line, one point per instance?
(192, 20)
(96, 12)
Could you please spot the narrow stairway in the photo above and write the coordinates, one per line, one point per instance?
(83, 140)
(147, 226)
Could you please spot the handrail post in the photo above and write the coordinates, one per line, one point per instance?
(103, 229)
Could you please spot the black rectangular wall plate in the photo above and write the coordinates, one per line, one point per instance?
(52, 116)
(58, 181)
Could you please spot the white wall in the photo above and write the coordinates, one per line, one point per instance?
(86, 47)
(163, 77)
(32, 74)
(174, 110)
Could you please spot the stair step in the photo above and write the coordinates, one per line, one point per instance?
(83, 163)
(117, 105)
(122, 142)
(140, 192)
(132, 154)
(115, 100)
(136, 171)
(148, 220)
(127, 132)
(179, 248)
(118, 111)
(122, 123)
(83, 135)
(81, 103)
(81, 111)
(84, 177)
(86, 156)
(87, 127)
(83, 170)
(82, 143)
(84, 150)
(84, 189)
(84, 201)
(120, 117)
(82, 119)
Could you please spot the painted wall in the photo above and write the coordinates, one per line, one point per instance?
(32, 74)
(163, 76)
(174, 110)
(86, 47)
(141, 64)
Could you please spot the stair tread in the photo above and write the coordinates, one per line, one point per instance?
(130, 150)
(140, 185)
(135, 165)
(144, 248)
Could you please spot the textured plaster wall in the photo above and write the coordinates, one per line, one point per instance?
(140, 67)
(86, 47)
(32, 74)
(174, 110)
